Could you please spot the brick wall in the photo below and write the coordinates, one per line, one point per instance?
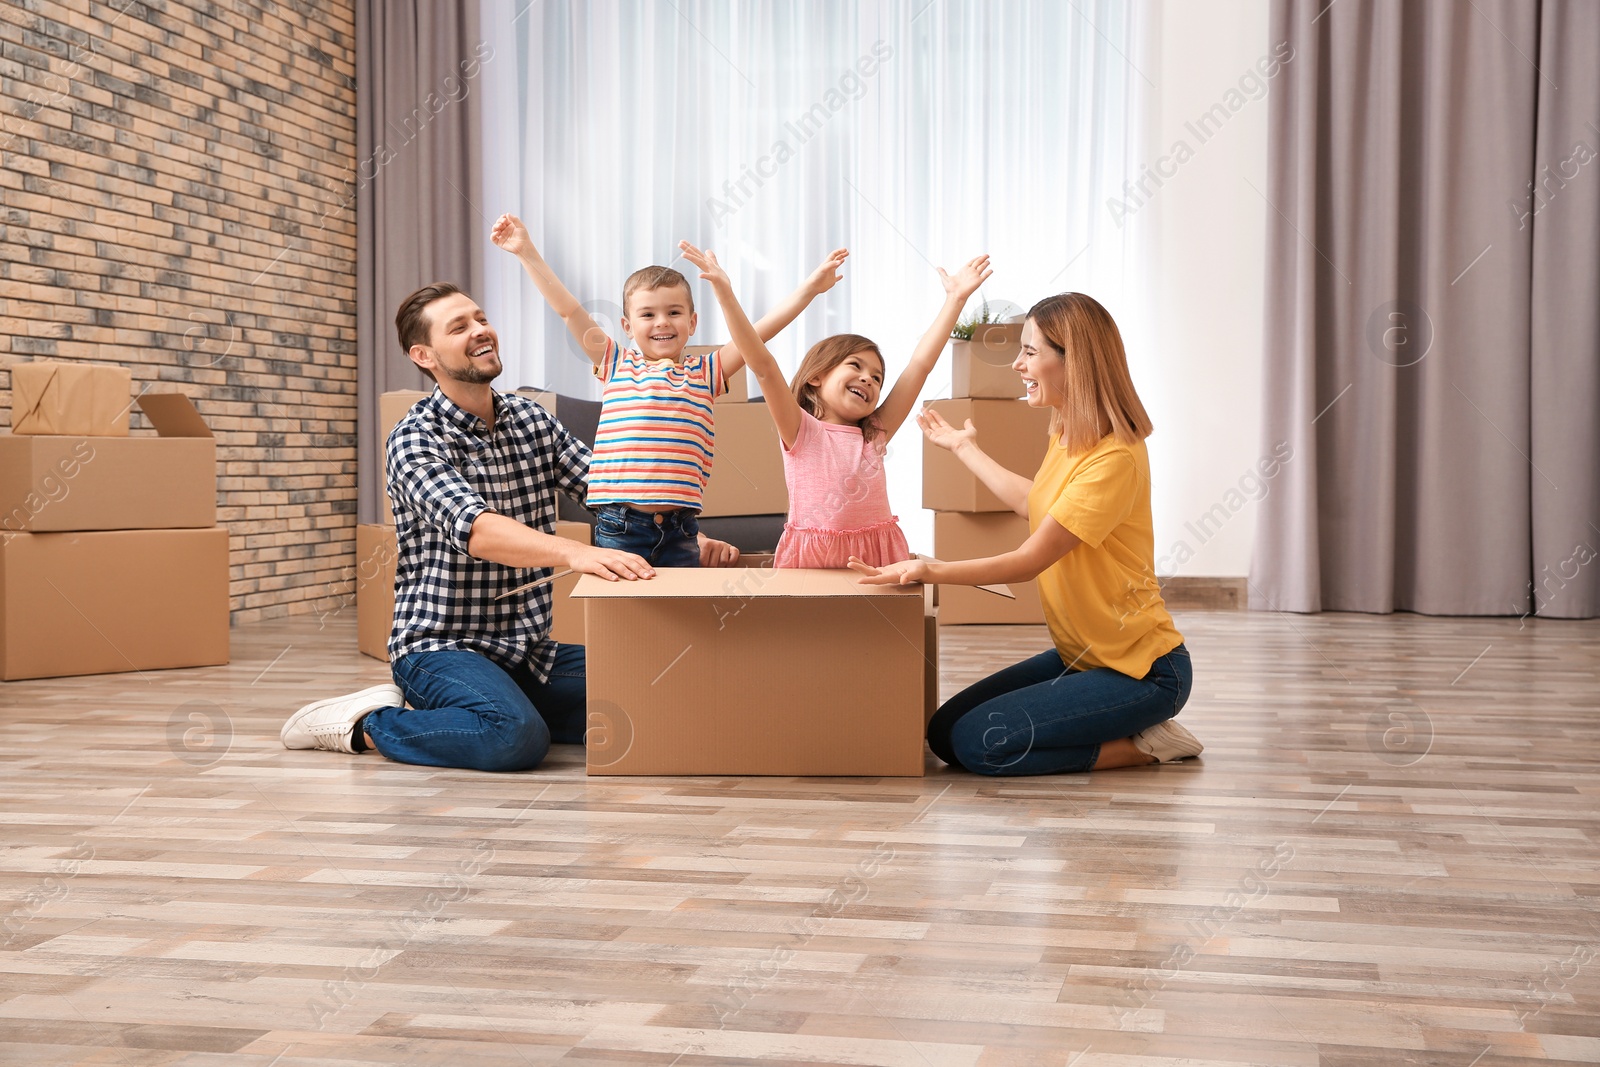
(173, 176)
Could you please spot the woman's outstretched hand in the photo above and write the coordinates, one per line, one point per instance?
(941, 433)
(912, 570)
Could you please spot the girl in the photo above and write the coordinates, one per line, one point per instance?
(835, 433)
(1106, 694)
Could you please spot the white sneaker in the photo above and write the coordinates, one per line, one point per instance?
(1167, 742)
(330, 723)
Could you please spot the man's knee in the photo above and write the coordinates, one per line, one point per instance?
(523, 743)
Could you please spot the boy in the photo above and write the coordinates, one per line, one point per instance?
(652, 449)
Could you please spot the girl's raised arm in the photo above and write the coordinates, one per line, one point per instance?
(897, 406)
(781, 403)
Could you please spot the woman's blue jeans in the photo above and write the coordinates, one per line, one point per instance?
(1038, 717)
(468, 711)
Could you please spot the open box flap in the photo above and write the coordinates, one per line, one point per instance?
(173, 415)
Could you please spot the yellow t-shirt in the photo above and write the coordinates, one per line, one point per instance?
(1102, 600)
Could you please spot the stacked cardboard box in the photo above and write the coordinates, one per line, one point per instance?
(971, 521)
(747, 461)
(110, 556)
(392, 407)
(377, 550)
(746, 464)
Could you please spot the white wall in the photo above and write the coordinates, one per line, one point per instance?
(1202, 248)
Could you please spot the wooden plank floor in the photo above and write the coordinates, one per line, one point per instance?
(1386, 856)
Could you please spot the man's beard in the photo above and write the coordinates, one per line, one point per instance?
(473, 374)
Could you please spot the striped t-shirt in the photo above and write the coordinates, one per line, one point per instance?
(653, 442)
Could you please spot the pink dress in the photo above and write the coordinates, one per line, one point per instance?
(838, 500)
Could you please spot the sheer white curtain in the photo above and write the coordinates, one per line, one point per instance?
(916, 133)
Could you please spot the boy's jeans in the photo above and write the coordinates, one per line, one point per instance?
(668, 539)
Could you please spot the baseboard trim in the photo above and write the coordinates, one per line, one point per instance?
(1206, 594)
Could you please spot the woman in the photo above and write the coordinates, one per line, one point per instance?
(1105, 695)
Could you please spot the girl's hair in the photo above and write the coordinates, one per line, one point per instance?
(825, 355)
(1100, 397)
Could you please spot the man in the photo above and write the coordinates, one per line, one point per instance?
(472, 475)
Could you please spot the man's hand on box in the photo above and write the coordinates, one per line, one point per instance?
(610, 563)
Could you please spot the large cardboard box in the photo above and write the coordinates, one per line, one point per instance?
(54, 483)
(981, 367)
(392, 407)
(76, 399)
(1009, 431)
(959, 535)
(111, 601)
(747, 464)
(752, 671)
(377, 557)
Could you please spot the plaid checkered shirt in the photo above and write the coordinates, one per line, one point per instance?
(444, 470)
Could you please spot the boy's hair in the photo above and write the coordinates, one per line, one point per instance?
(825, 355)
(655, 278)
(411, 321)
(1099, 392)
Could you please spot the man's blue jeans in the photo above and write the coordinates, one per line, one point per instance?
(674, 541)
(468, 711)
(1038, 717)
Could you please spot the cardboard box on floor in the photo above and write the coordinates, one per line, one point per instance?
(1009, 431)
(746, 464)
(111, 601)
(377, 555)
(756, 671)
(962, 535)
(981, 367)
(74, 399)
(55, 483)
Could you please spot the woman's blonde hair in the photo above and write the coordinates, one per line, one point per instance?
(1098, 390)
(825, 355)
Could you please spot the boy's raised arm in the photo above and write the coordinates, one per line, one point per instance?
(510, 234)
(957, 288)
(768, 326)
(780, 401)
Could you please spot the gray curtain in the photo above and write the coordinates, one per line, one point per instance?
(418, 149)
(1432, 339)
